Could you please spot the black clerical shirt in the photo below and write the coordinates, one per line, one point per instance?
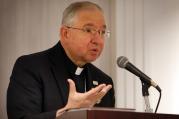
(79, 79)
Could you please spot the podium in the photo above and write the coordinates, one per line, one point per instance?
(113, 113)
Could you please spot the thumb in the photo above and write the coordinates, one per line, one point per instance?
(71, 86)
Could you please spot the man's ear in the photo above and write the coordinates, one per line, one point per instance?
(64, 33)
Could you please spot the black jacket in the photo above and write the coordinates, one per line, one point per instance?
(38, 85)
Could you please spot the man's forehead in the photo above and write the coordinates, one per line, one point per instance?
(93, 25)
(91, 18)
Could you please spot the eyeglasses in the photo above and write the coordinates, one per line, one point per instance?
(93, 31)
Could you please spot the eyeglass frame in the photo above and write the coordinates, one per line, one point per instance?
(93, 31)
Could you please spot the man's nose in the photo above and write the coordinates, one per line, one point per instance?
(98, 33)
(97, 38)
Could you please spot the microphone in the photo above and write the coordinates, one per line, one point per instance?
(123, 62)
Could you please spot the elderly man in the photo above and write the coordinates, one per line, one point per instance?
(46, 84)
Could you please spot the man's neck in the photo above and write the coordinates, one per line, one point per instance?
(75, 61)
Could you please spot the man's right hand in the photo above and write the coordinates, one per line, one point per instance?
(84, 100)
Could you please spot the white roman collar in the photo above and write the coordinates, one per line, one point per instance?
(78, 70)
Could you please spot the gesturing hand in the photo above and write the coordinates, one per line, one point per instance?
(84, 100)
(88, 99)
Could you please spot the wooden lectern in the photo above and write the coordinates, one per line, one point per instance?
(113, 113)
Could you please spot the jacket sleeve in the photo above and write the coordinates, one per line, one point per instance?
(25, 93)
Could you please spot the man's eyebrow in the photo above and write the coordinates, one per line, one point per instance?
(92, 25)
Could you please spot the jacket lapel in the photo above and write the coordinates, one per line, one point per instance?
(59, 71)
(91, 77)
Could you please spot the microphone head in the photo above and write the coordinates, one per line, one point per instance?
(122, 61)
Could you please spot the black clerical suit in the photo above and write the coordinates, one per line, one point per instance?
(38, 85)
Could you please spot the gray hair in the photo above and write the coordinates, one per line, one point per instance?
(70, 12)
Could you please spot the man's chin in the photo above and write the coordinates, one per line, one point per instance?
(92, 59)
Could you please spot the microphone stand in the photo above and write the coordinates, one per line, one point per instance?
(145, 93)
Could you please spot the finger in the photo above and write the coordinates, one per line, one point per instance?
(106, 89)
(72, 86)
(95, 90)
(102, 93)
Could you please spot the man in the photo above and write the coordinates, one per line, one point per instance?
(44, 85)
